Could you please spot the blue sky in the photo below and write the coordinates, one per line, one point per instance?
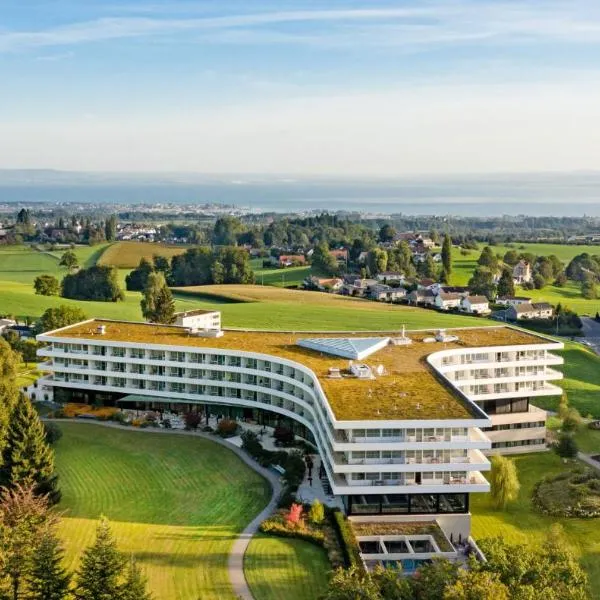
(381, 88)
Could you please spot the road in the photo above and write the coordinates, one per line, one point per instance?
(591, 329)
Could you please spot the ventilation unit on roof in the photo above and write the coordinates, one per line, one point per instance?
(442, 336)
(101, 329)
(402, 340)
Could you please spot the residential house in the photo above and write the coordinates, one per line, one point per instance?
(5, 324)
(447, 300)
(340, 255)
(386, 293)
(324, 284)
(287, 260)
(512, 300)
(529, 310)
(522, 272)
(421, 296)
(390, 276)
(358, 287)
(475, 305)
(362, 258)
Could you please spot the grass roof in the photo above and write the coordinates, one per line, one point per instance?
(408, 528)
(407, 390)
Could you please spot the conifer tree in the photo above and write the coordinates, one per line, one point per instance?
(27, 458)
(447, 254)
(48, 579)
(157, 301)
(101, 568)
(134, 587)
(9, 392)
(506, 284)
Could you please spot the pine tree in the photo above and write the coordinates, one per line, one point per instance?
(101, 568)
(48, 579)
(27, 458)
(506, 284)
(157, 301)
(9, 392)
(134, 587)
(447, 254)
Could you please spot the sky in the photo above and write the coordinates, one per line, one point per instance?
(309, 88)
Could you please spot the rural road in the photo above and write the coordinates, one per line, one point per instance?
(235, 565)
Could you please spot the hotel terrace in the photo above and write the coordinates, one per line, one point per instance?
(402, 421)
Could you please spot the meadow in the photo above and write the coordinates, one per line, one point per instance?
(519, 524)
(175, 502)
(569, 295)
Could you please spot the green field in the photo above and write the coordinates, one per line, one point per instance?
(569, 295)
(581, 381)
(278, 568)
(290, 277)
(275, 308)
(175, 502)
(520, 524)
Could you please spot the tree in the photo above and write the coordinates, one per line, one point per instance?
(387, 233)
(46, 285)
(24, 517)
(110, 228)
(476, 585)
(567, 446)
(24, 217)
(157, 301)
(62, 316)
(316, 513)
(225, 231)
(47, 578)
(431, 579)
(138, 278)
(426, 268)
(538, 281)
(561, 279)
(589, 289)
(391, 584)
(511, 258)
(377, 260)
(96, 283)
(9, 391)
(101, 568)
(571, 421)
(488, 259)
(504, 481)
(447, 254)
(506, 284)
(69, 260)
(351, 584)
(28, 459)
(161, 263)
(322, 261)
(482, 282)
(134, 586)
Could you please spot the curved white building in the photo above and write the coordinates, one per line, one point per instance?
(398, 420)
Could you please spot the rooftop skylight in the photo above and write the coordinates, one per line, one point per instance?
(353, 348)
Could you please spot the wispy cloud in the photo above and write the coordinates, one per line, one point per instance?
(416, 25)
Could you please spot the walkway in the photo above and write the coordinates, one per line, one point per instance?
(235, 564)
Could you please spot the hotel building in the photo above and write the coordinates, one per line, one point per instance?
(402, 422)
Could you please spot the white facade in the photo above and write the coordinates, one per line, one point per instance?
(393, 468)
(199, 320)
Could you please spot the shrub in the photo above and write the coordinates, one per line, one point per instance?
(275, 525)
(347, 540)
(119, 417)
(284, 436)
(295, 514)
(252, 445)
(207, 429)
(294, 469)
(316, 513)
(227, 428)
(192, 420)
(567, 447)
(53, 432)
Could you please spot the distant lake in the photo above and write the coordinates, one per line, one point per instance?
(540, 194)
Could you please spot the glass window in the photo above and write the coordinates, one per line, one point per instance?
(423, 503)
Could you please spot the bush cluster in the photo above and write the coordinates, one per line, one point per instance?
(227, 428)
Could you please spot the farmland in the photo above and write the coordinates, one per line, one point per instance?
(127, 255)
(175, 502)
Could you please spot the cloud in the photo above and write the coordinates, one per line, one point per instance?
(412, 26)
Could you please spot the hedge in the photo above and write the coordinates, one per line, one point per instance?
(348, 541)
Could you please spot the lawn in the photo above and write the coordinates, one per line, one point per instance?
(290, 277)
(127, 255)
(277, 308)
(581, 381)
(520, 524)
(285, 568)
(175, 502)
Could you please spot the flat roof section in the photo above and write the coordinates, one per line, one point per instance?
(404, 386)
